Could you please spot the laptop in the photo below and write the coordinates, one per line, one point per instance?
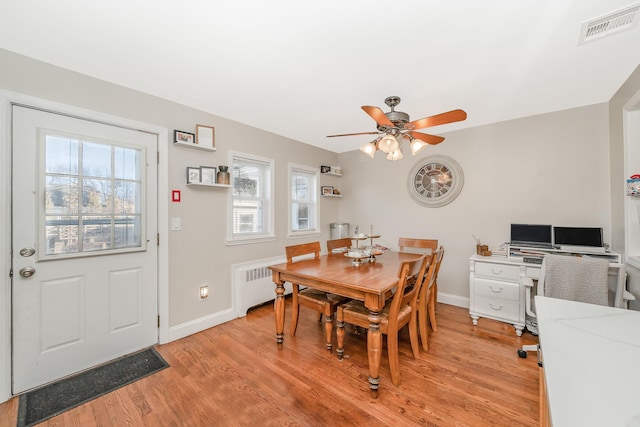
(531, 236)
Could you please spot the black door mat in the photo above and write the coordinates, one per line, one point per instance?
(53, 399)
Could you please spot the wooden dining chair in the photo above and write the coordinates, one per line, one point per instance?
(397, 313)
(425, 311)
(428, 246)
(433, 297)
(323, 302)
(344, 242)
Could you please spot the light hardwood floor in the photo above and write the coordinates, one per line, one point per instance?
(233, 375)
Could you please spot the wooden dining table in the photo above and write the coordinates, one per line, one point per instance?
(371, 282)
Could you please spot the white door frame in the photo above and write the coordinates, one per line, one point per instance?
(6, 100)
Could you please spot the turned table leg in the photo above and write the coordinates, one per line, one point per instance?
(278, 306)
(328, 328)
(374, 349)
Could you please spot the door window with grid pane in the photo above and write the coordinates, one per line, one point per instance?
(303, 199)
(252, 210)
(93, 193)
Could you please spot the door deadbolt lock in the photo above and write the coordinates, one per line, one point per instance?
(27, 252)
(27, 271)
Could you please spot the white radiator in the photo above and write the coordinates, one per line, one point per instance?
(253, 285)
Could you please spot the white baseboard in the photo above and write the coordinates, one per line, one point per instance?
(451, 299)
(198, 325)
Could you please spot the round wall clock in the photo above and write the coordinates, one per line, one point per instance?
(435, 181)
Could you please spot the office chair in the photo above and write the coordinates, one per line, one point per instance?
(581, 279)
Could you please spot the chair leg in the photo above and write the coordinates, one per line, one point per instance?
(340, 332)
(328, 327)
(392, 352)
(423, 326)
(432, 307)
(413, 336)
(295, 306)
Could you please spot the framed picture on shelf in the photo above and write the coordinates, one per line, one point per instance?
(193, 175)
(326, 190)
(208, 174)
(184, 137)
(205, 136)
(325, 169)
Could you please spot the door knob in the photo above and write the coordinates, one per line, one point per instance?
(26, 252)
(27, 271)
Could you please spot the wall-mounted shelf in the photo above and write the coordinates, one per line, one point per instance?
(200, 184)
(194, 146)
(332, 195)
(331, 170)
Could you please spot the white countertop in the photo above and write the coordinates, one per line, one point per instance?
(591, 358)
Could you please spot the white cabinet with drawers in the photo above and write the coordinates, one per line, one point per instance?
(495, 289)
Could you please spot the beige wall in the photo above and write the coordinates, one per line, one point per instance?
(197, 254)
(552, 168)
(546, 169)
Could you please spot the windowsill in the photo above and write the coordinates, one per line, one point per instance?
(249, 240)
(300, 235)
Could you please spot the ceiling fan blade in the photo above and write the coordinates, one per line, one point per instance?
(429, 139)
(350, 134)
(378, 115)
(438, 119)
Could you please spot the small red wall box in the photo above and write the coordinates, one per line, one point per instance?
(175, 195)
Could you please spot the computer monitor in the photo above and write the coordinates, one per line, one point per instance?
(536, 235)
(578, 236)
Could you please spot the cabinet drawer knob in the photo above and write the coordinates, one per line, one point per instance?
(495, 290)
(495, 308)
(497, 272)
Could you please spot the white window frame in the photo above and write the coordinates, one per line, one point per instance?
(268, 232)
(314, 208)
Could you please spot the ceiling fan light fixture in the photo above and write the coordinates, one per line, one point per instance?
(417, 146)
(388, 144)
(395, 128)
(395, 154)
(370, 148)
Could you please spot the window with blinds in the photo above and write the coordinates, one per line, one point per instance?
(303, 199)
(252, 210)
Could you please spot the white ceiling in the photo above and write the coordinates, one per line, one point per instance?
(303, 70)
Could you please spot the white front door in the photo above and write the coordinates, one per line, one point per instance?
(84, 250)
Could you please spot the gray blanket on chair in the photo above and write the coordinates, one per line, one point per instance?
(577, 279)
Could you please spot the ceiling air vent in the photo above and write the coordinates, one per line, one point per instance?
(612, 23)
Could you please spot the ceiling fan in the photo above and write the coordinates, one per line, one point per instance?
(395, 127)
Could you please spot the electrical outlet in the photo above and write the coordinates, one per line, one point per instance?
(204, 292)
